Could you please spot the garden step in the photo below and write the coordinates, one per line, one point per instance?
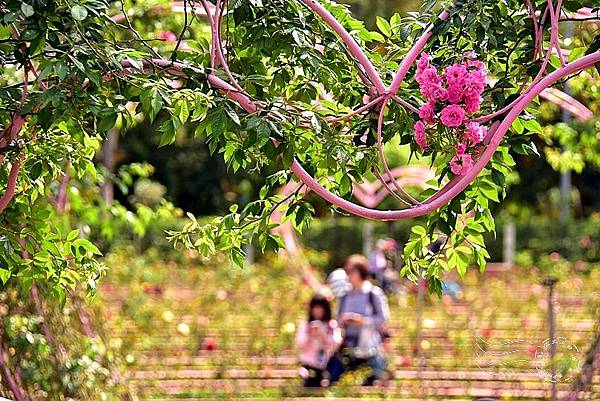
(399, 375)
(434, 346)
(429, 387)
(249, 381)
(582, 321)
(228, 397)
(494, 337)
(569, 326)
(289, 360)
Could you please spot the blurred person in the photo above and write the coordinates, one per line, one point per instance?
(378, 260)
(362, 313)
(338, 283)
(317, 339)
(382, 265)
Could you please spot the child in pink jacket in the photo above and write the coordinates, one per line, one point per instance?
(317, 340)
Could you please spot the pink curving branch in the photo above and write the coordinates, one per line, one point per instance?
(11, 184)
(353, 47)
(568, 103)
(411, 200)
(369, 194)
(412, 55)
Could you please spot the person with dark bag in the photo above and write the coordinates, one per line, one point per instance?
(362, 314)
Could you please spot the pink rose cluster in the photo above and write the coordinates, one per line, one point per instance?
(451, 98)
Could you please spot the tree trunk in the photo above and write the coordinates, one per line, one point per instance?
(7, 375)
(61, 197)
(39, 310)
(584, 378)
(109, 160)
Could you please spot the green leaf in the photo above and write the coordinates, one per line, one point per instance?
(577, 53)
(72, 235)
(36, 171)
(27, 10)
(107, 122)
(532, 125)
(376, 36)
(79, 12)
(4, 275)
(345, 185)
(182, 111)
(419, 230)
(168, 133)
(384, 26)
(517, 125)
(237, 256)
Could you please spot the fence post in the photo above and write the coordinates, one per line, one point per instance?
(550, 282)
(419, 334)
(509, 240)
(367, 237)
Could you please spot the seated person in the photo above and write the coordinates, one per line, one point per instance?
(317, 339)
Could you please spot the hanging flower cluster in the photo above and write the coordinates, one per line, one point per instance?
(452, 97)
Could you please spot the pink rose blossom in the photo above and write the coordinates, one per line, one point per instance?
(434, 92)
(453, 116)
(475, 133)
(420, 135)
(455, 74)
(438, 93)
(428, 76)
(427, 113)
(423, 62)
(455, 93)
(474, 84)
(460, 164)
(472, 104)
(429, 82)
(477, 64)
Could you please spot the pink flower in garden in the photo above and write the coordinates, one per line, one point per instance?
(474, 84)
(428, 76)
(434, 92)
(477, 64)
(475, 133)
(532, 350)
(455, 93)
(429, 82)
(460, 164)
(167, 36)
(427, 113)
(423, 62)
(420, 135)
(438, 92)
(456, 74)
(453, 116)
(461, 148)
(209, 344)
(472, 104)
